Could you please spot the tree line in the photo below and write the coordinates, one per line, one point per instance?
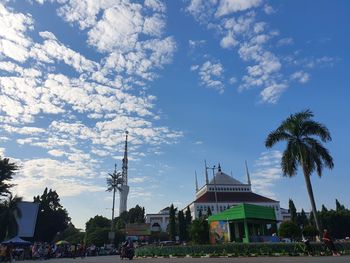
(336, 221)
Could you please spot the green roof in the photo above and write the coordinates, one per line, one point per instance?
(245, 211)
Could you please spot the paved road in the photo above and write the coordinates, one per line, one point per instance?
(114, 259)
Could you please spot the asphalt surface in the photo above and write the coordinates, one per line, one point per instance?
(113, 259)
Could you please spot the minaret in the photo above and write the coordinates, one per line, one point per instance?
(196, 181)
(206, 172)
(124, 188)
(247, 172)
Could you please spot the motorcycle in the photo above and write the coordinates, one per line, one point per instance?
(127, 252)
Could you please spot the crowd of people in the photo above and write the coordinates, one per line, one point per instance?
(10, 252)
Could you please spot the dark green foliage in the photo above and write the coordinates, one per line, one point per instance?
(312, 219)
(182, 226)
(7, 170)
(209, 212)
(304, 138)
(338, 206)
(199, 231)
(134, 215)
(188, 219)
(200, 214)
(302, 220)
(97, 229)
(292, 211)
(310, 232)
(337, 222)
(97, 222)
(290, 230)
(172, 223)
(52, 217)
(234, 250)
(324, 208)
(71, 234)
(8, 223)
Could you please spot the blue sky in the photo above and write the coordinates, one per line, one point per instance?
(190, 80)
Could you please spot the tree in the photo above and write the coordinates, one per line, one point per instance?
(324, 208)
(7, 170)
(97, 221)
(303, 148)
(338, 206)
(113, 183)
(71, 234)
(290, 230)
(97, 229)
(292, 211)
(200, 231)
(52, 217)
(188, 219)
(310, 232)
(302, 220)
(8, 213)
(182, 226)
(209, 213)
(136, 215)
(172, 223)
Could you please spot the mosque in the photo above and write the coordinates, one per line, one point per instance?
(224, 191)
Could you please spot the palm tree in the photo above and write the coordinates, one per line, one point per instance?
(303, 148)
(113, 183)
(10, 211)
(7, 170)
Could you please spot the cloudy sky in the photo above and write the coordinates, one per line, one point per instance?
(189, 79)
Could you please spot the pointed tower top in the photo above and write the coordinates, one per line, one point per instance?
(206, 172)
(219, 168)
(195, 172)
(125, 159)
(247, 173)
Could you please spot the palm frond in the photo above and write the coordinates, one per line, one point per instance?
(289, 160)
(313, 128)
(322, 152)
(276, 136)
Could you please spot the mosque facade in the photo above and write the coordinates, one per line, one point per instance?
(224, 191)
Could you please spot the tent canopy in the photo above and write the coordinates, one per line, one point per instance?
(16, 241)
(245, 211)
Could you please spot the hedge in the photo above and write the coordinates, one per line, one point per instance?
(239, 249)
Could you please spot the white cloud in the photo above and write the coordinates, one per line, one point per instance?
(273, 92)
(67, 178)
(230, 6)
(211, 75)
(285, 41)
(267, 172)
(300, 76)
(237, 25)
(88, 108)
(14, 42)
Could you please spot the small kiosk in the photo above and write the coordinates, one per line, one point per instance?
(243, 223)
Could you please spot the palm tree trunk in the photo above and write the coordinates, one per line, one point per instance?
(112, 223)
(312, 200)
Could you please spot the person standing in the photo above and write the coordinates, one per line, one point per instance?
(329, 242)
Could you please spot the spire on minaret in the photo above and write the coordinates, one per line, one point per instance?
(125, 160)
(195, 172)
(247, 172)
(219, 168)
(124, 188)
(206, 172)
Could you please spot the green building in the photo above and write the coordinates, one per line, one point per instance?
(243, 223)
